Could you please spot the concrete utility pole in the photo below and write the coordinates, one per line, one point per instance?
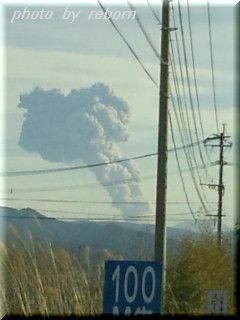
(160, 226)
(220, 186)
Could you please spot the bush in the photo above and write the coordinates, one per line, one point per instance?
(198, 266)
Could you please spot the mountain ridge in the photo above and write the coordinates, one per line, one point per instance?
(131, 240)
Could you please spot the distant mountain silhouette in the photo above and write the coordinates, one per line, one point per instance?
(131, 240)
(205, 223)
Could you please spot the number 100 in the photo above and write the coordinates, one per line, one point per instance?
(131, 297)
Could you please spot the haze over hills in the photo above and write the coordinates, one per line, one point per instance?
(190, 225)
(131, 240)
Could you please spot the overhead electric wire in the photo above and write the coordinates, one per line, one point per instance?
(88, 185)
(128, 45)
(70, 218)
(179, 169)
(186, 130)
(212, 66)
(86, 213)
(188, 79)
(97, 202)
(202, 196)
(79, 201)
(182, 83)
(88, 216)
(187, 154)
(91, 215)
(91, 185)
(154, 13)
(194, 69)
(146, 35)
(188, 160)
(87, 219)
(182, 120)
(179, 103)
(52, 170)
(43, 171)
(195, 75)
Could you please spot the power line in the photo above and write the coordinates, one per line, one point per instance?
(79, 201)
(110, 215)
(43, 171)
(195, 75)
(75, 187)
(188, 159)
(179, 169)
(128, 45)
(180, 107)
(102, 217)
(78, 212)
(182, 119)
(188, 79)
(194, 68)
(154, 13)
(136, 219)
(179, 103)
(212, 65)
(69, 218)
(86, 219)
(97, 202)
(92, 185)
(187, 127)
(147, 37)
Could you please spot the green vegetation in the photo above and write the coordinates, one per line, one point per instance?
(42, 279)
(198, 266)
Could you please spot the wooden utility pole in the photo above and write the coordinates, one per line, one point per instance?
(160, 226)
(220, 186)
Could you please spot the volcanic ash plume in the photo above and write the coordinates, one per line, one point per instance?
(84, 125)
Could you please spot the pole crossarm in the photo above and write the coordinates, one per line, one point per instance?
(216, 163)
(218, 145)
(220, 186)
(215, 215)
(216, 137)
(212, 185)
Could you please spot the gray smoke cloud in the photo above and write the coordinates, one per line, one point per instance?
(87, 125)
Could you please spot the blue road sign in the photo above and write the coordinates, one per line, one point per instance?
(132, 287)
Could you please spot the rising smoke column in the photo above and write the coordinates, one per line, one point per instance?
(87, 125)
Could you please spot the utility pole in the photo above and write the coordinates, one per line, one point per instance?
(160, 225)
(220, 186)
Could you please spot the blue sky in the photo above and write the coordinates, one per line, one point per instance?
(57, 54)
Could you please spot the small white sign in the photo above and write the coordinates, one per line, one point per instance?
(217, 302)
